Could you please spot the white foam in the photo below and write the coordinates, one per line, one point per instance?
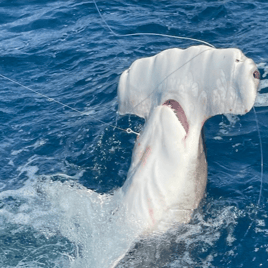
(232, 118)
(261, 100)
(97, 230)
(263, 84)
(88, 220)
(37, 144)
(263, 65)
(16, 152)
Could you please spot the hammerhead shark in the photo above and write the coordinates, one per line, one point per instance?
(176, 91)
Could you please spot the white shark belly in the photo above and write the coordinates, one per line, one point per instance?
(166, 180)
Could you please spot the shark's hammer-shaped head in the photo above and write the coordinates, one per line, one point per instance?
(203, 81)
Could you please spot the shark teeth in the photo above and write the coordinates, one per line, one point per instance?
(179, 112)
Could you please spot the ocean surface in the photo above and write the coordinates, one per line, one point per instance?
(51, 155)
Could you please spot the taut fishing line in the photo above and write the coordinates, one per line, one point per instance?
(261, 178)
(128, 130)
(261, 151)
(154, 34)
(148, 34)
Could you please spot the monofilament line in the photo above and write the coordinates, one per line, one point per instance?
(261, 151)
(148, 34)
(261, 177)
(128, 130)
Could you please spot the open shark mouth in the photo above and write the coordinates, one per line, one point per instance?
(177, 109)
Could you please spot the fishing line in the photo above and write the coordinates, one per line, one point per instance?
(148, 34)
(261, 151)
(153, 34)
(128, 130)
(261, 178)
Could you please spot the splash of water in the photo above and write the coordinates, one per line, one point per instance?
(91, 222)
(91, 232)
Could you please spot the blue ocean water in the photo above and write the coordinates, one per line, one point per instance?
(50, 155)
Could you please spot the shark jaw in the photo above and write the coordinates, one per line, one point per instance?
(179, 112)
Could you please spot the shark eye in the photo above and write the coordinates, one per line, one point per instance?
(256, 74)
